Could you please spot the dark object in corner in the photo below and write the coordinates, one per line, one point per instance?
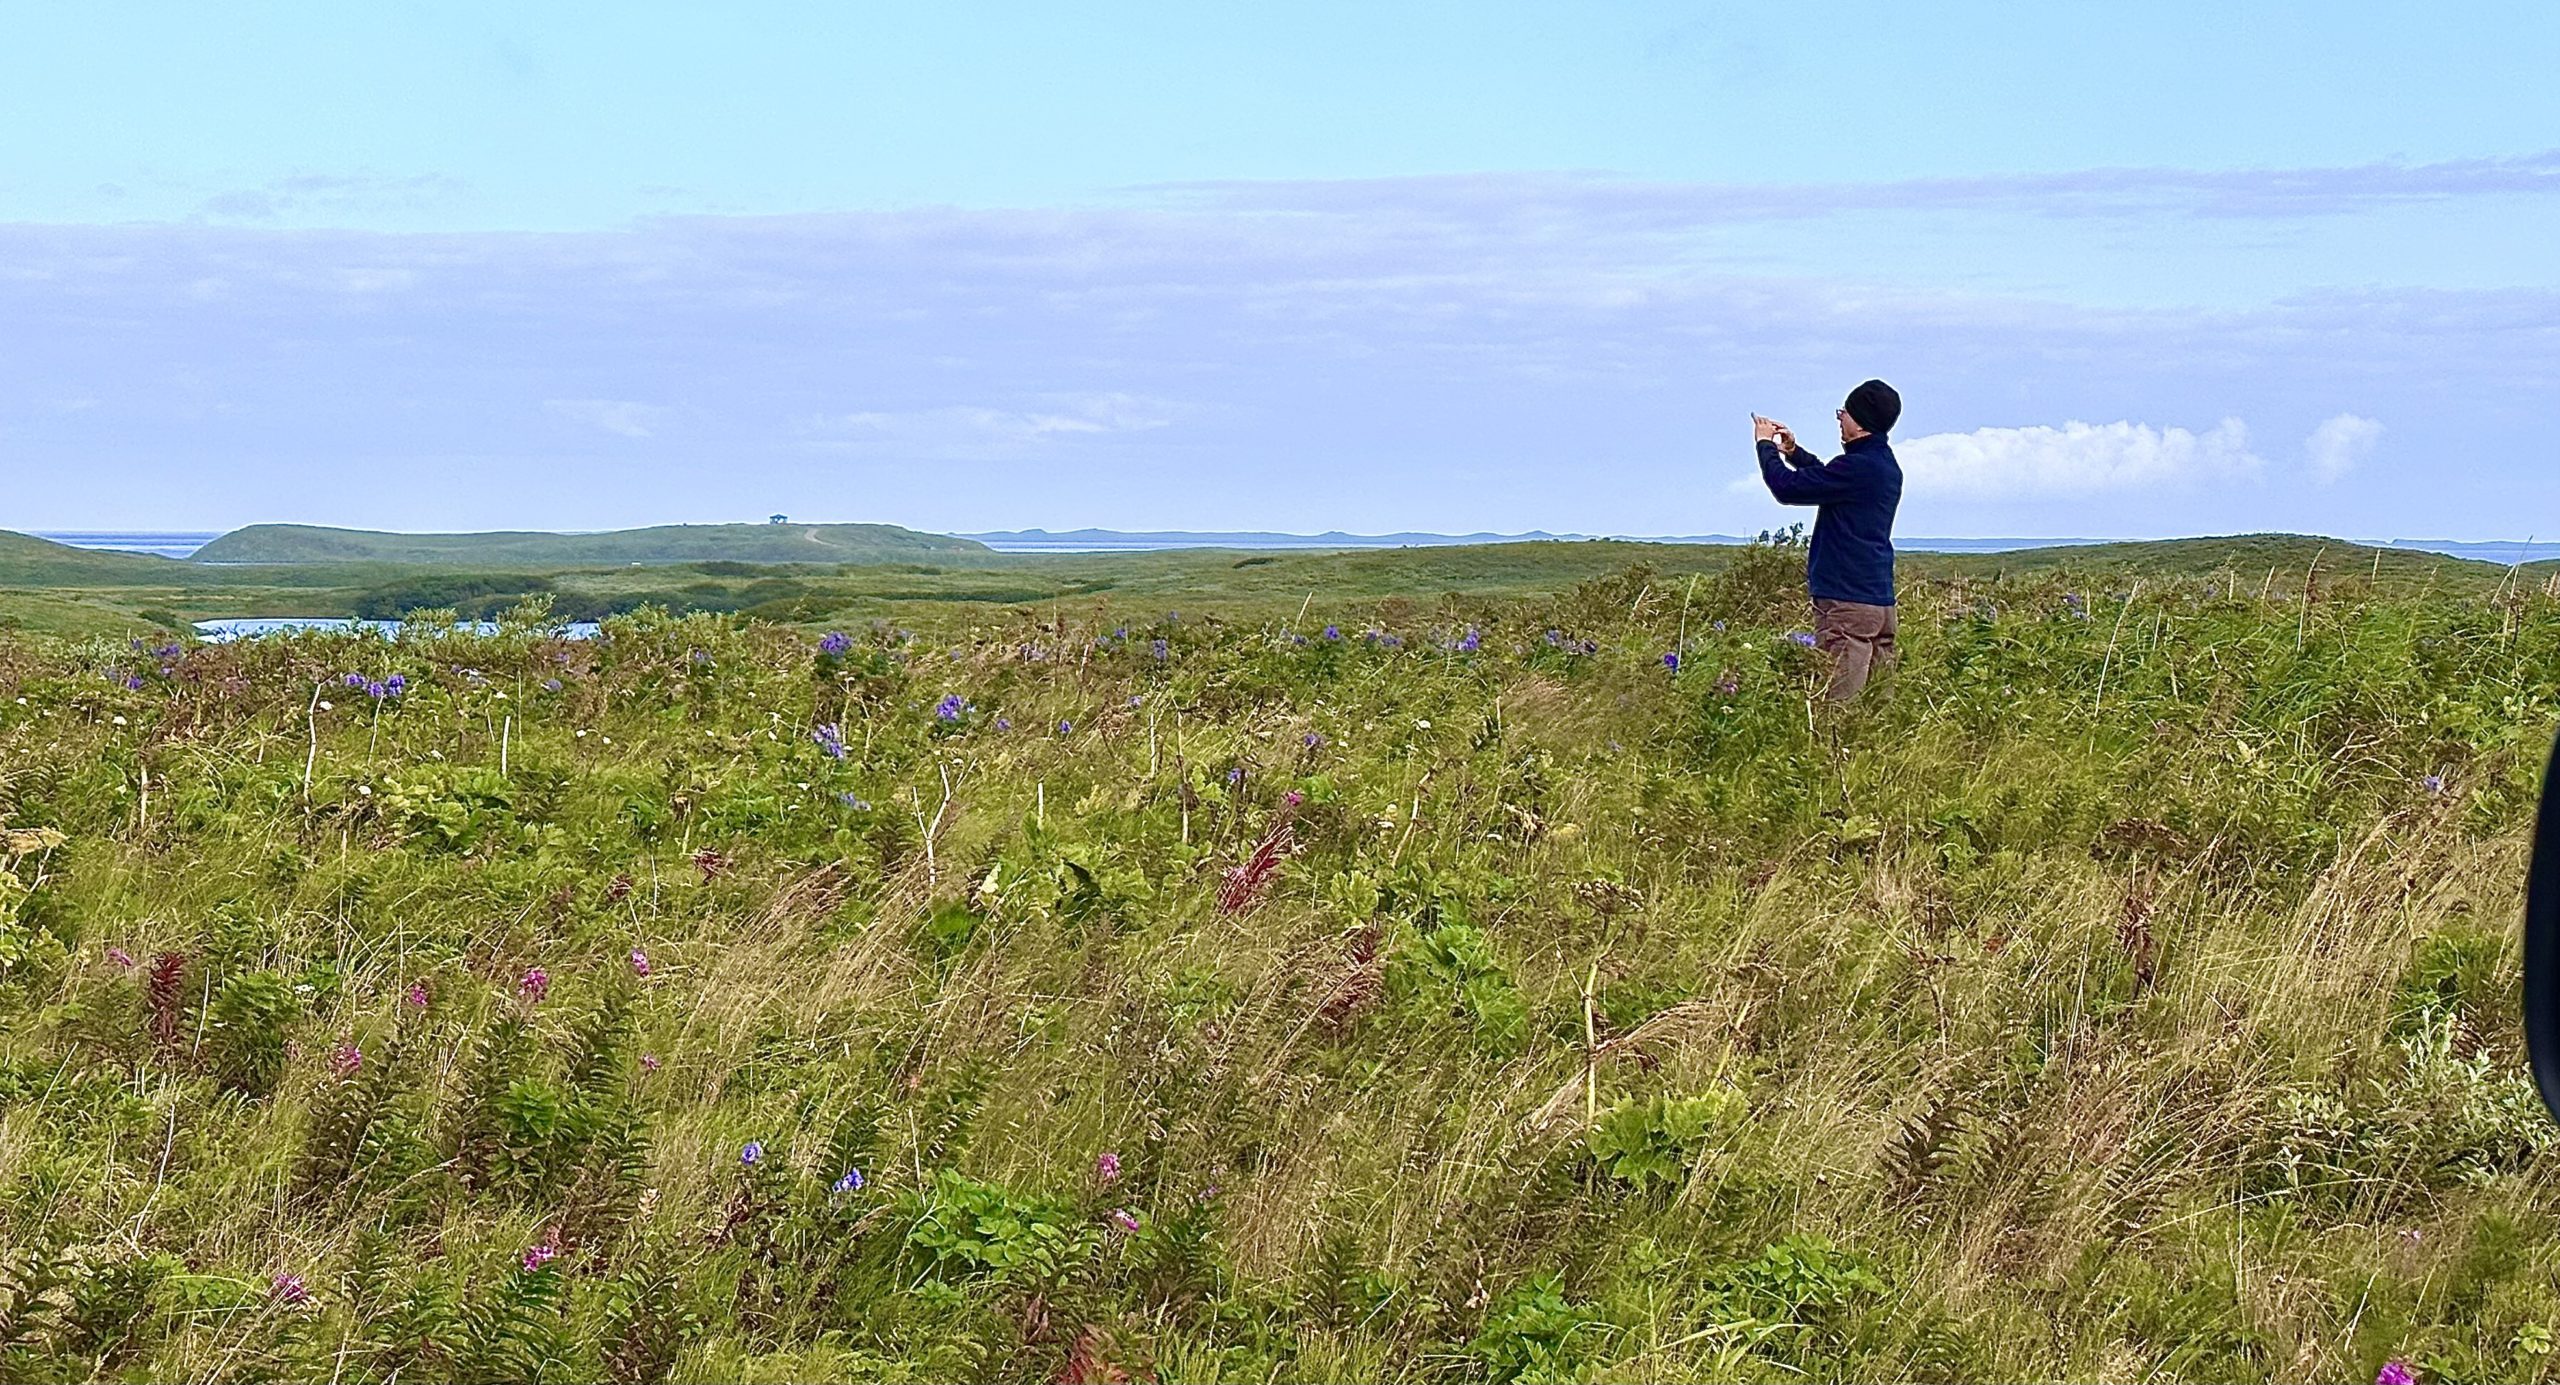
(2542, 945)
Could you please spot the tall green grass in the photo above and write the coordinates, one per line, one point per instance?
(2123, 991)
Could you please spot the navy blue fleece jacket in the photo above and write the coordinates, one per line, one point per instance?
(1858, 491)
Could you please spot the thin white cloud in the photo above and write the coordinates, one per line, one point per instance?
(972, 429)
(1635, 205)
(326, 192)
(2339, 443)
(2076, 459)
(621, 417)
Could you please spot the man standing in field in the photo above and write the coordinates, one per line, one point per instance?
(1849, 570)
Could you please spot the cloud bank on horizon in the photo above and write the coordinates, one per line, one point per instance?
(1262, 361)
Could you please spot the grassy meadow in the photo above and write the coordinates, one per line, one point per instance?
(1289, 982)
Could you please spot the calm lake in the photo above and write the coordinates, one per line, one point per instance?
(222, 631)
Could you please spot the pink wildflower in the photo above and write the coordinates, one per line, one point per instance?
(535, 1257)
(417, 997)
(119, 956)
(289, 1289)
(649, 1062)
(2395, 1373)
(639, 962)
(535, 985)
(1125, 1221)
(1106, 1168)
(345, 1059)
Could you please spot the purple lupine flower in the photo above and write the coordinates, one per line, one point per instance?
(950, 707)
(119, 956)
(1135, 699)
(551, 685)
(535, 984)
(1004, 724)
(1728, 683)
(830, 739)
(1159, 648)
(1333, 632)
(834, 642)
(133, 682)
(353, 680)
(289, 1289)
(397, 684)
(850, 1183)
(1066, 728)
(1719, 627)
(1671, 661)
(751, 1153)
(1802, 637)
(2433, 783)
(1471, 643)
(535, 1257)
(1312, 740)
(2395, 1372)
(1235, 775)
(377, 689)
(345, 1059)
(639, 962)
(1106, 1168)
(854, 801)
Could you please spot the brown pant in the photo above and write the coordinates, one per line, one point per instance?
(1859, 639)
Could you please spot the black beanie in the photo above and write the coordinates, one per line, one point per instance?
(1875, 406)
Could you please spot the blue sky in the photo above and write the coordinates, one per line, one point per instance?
(2151, 269)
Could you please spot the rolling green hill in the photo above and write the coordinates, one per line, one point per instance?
(670, 543)
(46, 586)
(30, 562)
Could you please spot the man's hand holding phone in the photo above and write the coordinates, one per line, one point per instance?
(1771, 430)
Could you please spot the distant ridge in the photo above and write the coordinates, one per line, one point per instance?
(1136, 540)
(671, 543)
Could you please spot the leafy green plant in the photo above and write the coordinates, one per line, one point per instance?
(252, 1017)
(1653, 1141)
(1453, 967)
(962, 1227)
(1534, 1333)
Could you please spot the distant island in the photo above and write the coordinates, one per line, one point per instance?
(668, 543)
